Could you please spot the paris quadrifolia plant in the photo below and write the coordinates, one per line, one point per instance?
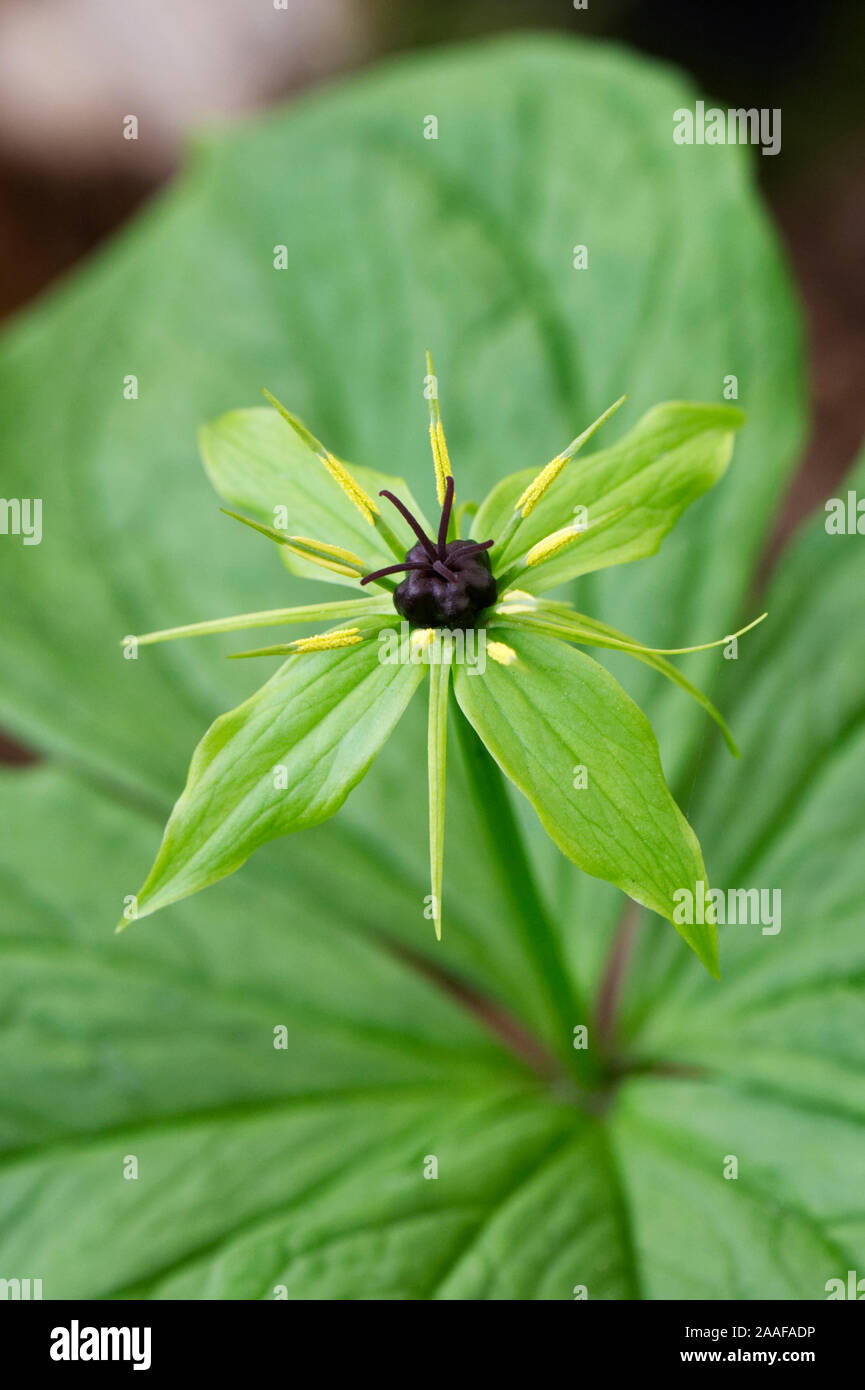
(464, 613)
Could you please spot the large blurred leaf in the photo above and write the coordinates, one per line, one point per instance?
(301, 1165)
(304, 1166)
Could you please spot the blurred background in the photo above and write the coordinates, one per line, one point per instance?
(70, 70)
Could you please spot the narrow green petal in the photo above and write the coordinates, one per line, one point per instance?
(273, 617)
(436, 758)
(701, 647)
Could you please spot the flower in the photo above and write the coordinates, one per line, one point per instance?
(467, 613)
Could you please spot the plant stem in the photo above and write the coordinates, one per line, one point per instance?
(504, 841)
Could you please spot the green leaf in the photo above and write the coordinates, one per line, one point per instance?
(555, 714)
(255, 461)
(669, 459)
(284, 760)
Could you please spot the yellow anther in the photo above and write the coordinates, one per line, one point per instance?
(517, 602)
(532, 495)
(553, 544)
(422, 637)
(438, 443)
(529, 499)
(441, 458)
(502, 653)
(350, 487)
(331, 557)
(337, 470)
(331, 565)
(326, 641)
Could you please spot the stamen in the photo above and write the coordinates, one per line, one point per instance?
(502, 653)
(517, 602)
(532, 495)
(337, 470)
(412, 521)
(337, 552)
(322, 642)
(552, 545)
(441, 460)
(560, 540)
(330, 557)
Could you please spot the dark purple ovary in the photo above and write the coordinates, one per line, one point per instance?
(455, 598)
(448, 583)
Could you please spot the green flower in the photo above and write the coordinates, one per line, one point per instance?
(466, 612)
